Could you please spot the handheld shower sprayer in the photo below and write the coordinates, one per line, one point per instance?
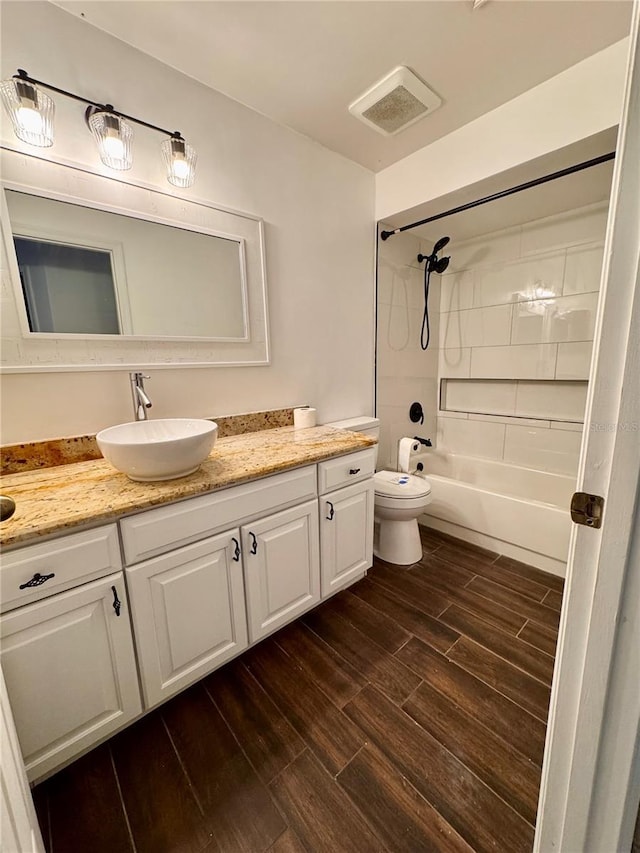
(434, 264)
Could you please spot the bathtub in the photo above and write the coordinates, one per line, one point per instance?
(519, 512)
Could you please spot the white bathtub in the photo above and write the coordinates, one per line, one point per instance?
(516, 511)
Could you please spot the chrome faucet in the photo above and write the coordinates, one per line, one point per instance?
(140, 400)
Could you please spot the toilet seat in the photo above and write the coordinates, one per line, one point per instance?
(400, 487)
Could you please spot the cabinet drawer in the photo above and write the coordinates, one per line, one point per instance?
(70, 560)
(335, 473)
(160, 530)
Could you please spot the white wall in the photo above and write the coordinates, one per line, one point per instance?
(584, 100)
(516, 333)
(318, 209)
(405, 372)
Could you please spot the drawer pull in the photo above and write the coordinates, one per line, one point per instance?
(37, 580)
(331, 511)
(117, 604)
(354, 470)
(236, 550)
(254, 546)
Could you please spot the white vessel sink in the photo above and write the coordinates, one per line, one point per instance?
(162, 449)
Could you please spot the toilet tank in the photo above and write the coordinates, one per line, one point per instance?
(367, 425)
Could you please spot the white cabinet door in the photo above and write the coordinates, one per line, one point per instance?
(282, 567)
(346, 535)
(70, 671)
(188, 613)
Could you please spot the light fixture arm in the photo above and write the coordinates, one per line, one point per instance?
(94, 106)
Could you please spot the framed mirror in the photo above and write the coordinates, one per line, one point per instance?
(101, 274)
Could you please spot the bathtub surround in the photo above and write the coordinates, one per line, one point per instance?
(405, 372)
(516, 332)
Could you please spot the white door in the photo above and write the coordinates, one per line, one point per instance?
(282, 567)
(70, 670)
(591, 773)
(346, 535)
(188, 613)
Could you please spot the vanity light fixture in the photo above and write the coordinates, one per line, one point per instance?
(180, 160)
(113, 136)
(32, 110)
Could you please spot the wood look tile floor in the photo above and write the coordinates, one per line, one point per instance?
(407, 713)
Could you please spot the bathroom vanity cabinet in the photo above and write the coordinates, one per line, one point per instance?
(106, 637)
(68, 657)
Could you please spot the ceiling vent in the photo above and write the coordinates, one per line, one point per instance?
(395, 102)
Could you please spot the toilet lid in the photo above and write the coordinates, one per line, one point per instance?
(398, 485)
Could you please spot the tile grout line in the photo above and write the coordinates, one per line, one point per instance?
(124, 807)
(518, 613)
(497, 690)
(308, 672)
(466, 766)
(521, 630)
(405, 781)
(400, 647)
(184, 770)
(451, 647)
(480, 721)
(305, 748)
(500, 656)
(242, 749)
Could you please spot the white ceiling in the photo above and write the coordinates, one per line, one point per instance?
(302, 63)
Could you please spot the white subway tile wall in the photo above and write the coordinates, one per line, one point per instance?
(405, 373)
(583, 270)
(489, 396)
(529, 361)
(471, 438)
(555, 320)
(476, 327)
(523, 398)
(574, 360)
(544, 449)
(520, 306)
(559, 401)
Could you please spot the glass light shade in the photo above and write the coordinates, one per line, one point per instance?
(31, 112)
(114, 137)
(180, 160)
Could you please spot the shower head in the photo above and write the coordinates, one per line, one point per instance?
(442, 242)
(434, 263)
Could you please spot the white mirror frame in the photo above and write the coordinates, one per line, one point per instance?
(24, 351)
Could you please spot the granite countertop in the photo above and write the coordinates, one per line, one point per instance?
(52, 500)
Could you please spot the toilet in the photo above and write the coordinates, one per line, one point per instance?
(400, 497)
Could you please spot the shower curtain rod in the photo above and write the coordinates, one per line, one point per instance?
(587, 164)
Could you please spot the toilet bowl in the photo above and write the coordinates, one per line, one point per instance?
(400, 497)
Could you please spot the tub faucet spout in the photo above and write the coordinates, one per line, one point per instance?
(140, 400)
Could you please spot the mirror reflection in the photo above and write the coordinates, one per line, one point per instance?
(86, 271)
